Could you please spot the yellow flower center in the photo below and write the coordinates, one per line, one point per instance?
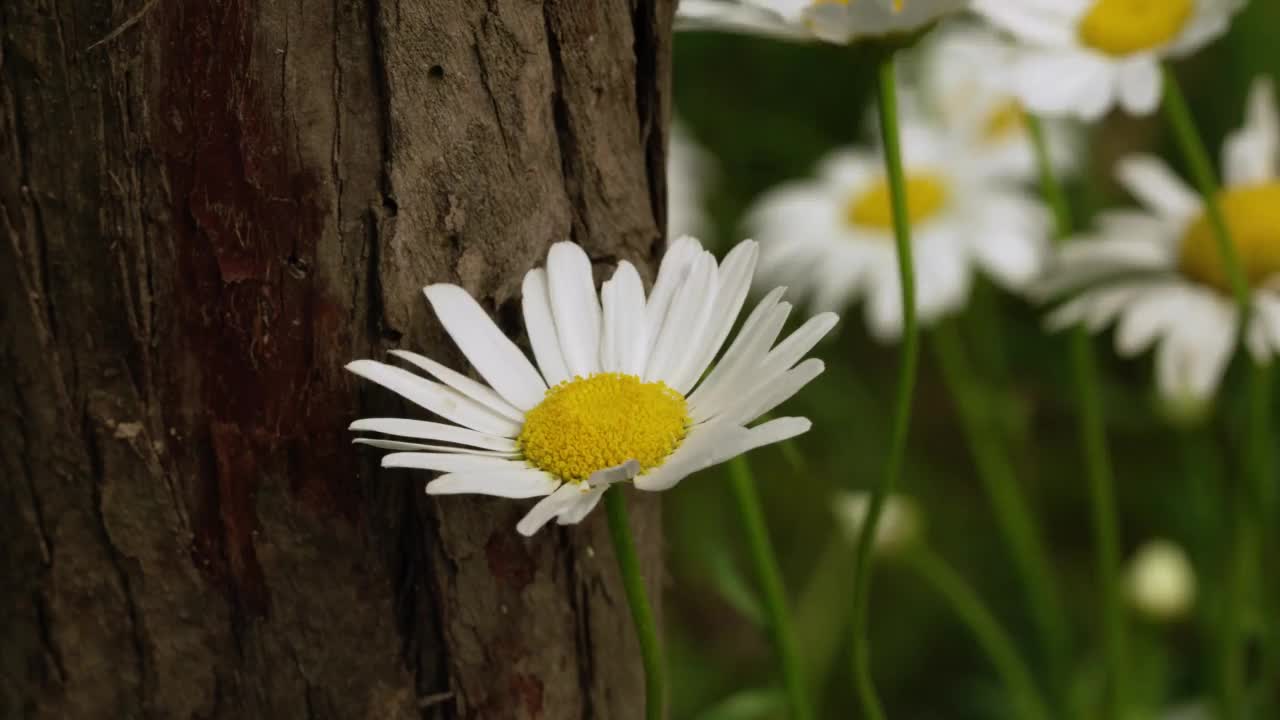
(1253, 214)
(1120, 27)
(588, 424)
(1004, 121)
(926, 196)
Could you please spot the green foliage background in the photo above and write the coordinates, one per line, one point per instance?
(768, 111)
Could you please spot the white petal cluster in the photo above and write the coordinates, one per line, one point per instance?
(672, 335)
(1056, 72)
(830, 21)
(1128, 272)
(985, 223)
(958, 72)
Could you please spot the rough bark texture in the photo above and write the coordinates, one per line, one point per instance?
(207, 207)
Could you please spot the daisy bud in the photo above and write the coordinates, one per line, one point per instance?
(1162, 583)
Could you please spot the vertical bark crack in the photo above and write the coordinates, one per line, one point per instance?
(565, 136)
(648, 83)
(97, 476)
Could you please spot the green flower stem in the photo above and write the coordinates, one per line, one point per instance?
(1013, 514)
(1097, 455)
(770, 576)
(1257, 460)
(888, 107)
(646, 629)
(991, 637)
(1201, 166)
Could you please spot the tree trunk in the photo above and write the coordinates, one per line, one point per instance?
(207, 207)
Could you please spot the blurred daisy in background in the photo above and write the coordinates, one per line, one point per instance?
(835, 21)
(1157, 272)
(1084, 57)
(1161, 581)
(831, 237)
(612, 397)
(901, 523)
(690, 172)
(954, 74)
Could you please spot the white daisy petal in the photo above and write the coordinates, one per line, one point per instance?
(427, 447)
(798, 344)
(563, 500)
(1258, 339)
(463, 384)
(489, 351)
(745, 353)
(1268, 315)
(596, 486)
(1151, 181)
(1251, 155)
(1193, 357)
(451, 462)
(806, 20)
(425, 430)
(625, 344)
(581, 507)
(541, 327)
(515, 484)
(671, 274)
(1148, 317)
(1141, 85)
(774, 431)
(715, 442)
(734, 282)
(697, 452)
(1058, 83)
(682, 333)
(1026, 22)
(884, 307)
(760, 399)
(726, 16)
(575, 306)
(439, 399)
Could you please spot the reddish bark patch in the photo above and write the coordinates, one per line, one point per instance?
(529, 689)
(235, 460)
(509, 561)
(250, 320)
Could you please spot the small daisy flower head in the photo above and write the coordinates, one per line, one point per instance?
(841, 22)
(690, 171)
(1085, 57)
(901, 523)
(831, 237)
(1161, 581)
(620, 391)
(957, 84)
(1157, 273)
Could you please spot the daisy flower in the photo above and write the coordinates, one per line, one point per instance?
(834, 21)
(689, 170)
(1157, 273)
(954, 69)
(832, 237)
(1084, 57)
(618, 393)
(900, 525)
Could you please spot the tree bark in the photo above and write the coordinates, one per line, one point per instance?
(207, 207)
